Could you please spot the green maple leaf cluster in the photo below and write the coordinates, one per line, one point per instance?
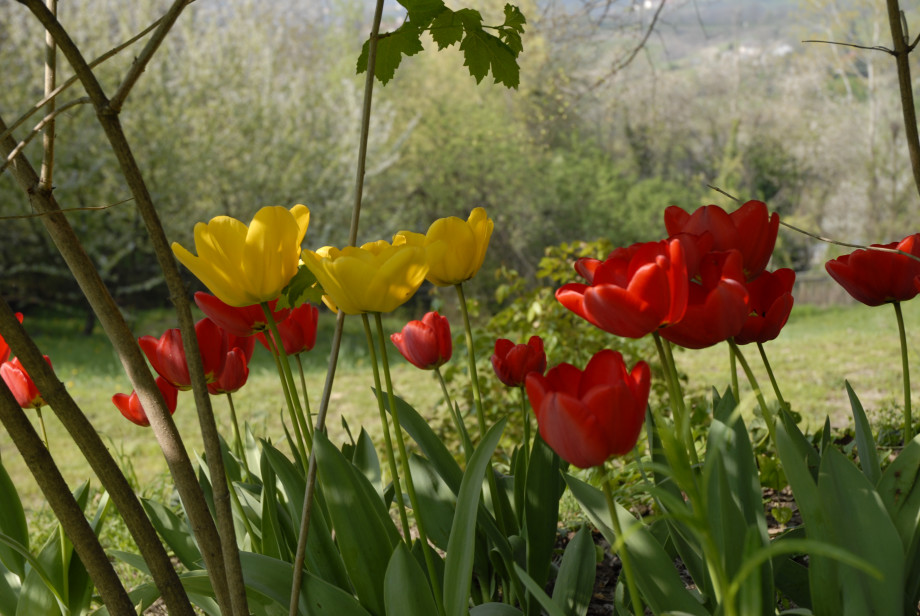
(485, 48)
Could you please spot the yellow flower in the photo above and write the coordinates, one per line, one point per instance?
(247, 265)
(377, 277)
(456, 247)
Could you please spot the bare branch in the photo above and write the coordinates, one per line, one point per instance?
(66, 210)
(869, 48)
(47, 172)
(48, 121)
(635, 51)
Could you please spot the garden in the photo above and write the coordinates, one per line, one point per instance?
(346, 429)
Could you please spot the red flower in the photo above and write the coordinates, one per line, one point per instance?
(750, 229)
(241, 322)
(247, 344)
(875, 277)
(770, 297)
(4, 348)
(167, 355)
(634, 292)
(588, 417)
(425, 344)
(20, 383)
(298, 331)
(234, 374)
(718, 304)
(130, 406)
(513, 362)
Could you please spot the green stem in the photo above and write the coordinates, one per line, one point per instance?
(284, 370)
(41, 422)
(306, 396)
(767, 413)
(769, 369)
(387, 441)
(676, 398)
(525, 412)
(733, 363)
(237, 436)
(908, 422)
(622, 552)
(457, 417)
(404, 460)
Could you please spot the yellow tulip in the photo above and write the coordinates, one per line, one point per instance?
(248, 265)
(456, 247)
(377, 277)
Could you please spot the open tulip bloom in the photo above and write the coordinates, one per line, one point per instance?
(239, 321)
(130, 405)
(167, 355)
(425, 344)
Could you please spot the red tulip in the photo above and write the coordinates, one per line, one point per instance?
(130, 406)
(513, 362)
(241, 322)
(246, 344)
(234, 374)
(875, 277)
(298, 331)
(20, 383)
(634, 292)
(770, 297)
(425, 344)
(167, 355)
(588, 417)
(750, 229)
(4, 348)
(718, 305)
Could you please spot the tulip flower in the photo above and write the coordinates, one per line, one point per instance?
(298, 331)
(245, 265)
(456, 247)
(4, 347)
(875, 277)
(244, 321)
(513, 362)
(750, 229)
(635, 291)
(20, 383)
(234, 374)
(426, 344)
(167, 356)
(377, 277)
(588, 417)
(770, 298)
(247, 344)
(718, 305)
(131, 408)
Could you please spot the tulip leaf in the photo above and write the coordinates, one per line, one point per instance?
(365, 458)
(364, 530)
(406, 589)
(865, 444)
(575, 580)
(175, 533)
(459, 566)
(302, 288)
(13, 525)
(541, 509)
(436, 501)
(899, 488)
(852, 506)
(495, 609)
(536, 590)
(43, 589)
(657, 579)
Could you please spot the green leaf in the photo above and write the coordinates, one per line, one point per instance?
(365, 458)
(421, 12)
(391, 47)
(446, 29)
(541, 509)
(13, 525)
(865, 444)
(406, 587)
(899, 488)
(538, 593)
(495, 609)
(436, 501)
(459, 565)
(175, 532)
(364, 530)
(575, 580)
(303, 287)
(43, 590)
(514, 19)
(483, 52)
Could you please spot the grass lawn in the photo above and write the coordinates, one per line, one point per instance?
(815, 353)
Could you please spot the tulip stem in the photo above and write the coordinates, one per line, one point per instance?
(908, 422)
(676, 397)
(457, 417)
(621, 550)
(306, 396)
(733, 367)
(41, 422)
(237, 436)
(404, 459)
(766, 364)
(277, 350)
(525, 413)
(387, 440)
(767, 413)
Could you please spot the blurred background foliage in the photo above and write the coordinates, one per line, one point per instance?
(257, 103)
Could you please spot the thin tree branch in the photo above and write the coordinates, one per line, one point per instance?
(140, 63)
(100, 460)
(47, 172)
(635, 52)
(47, 121)
(225, 570)
(66, 210)
(867, 47)
(905, 85)
(65, 507)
